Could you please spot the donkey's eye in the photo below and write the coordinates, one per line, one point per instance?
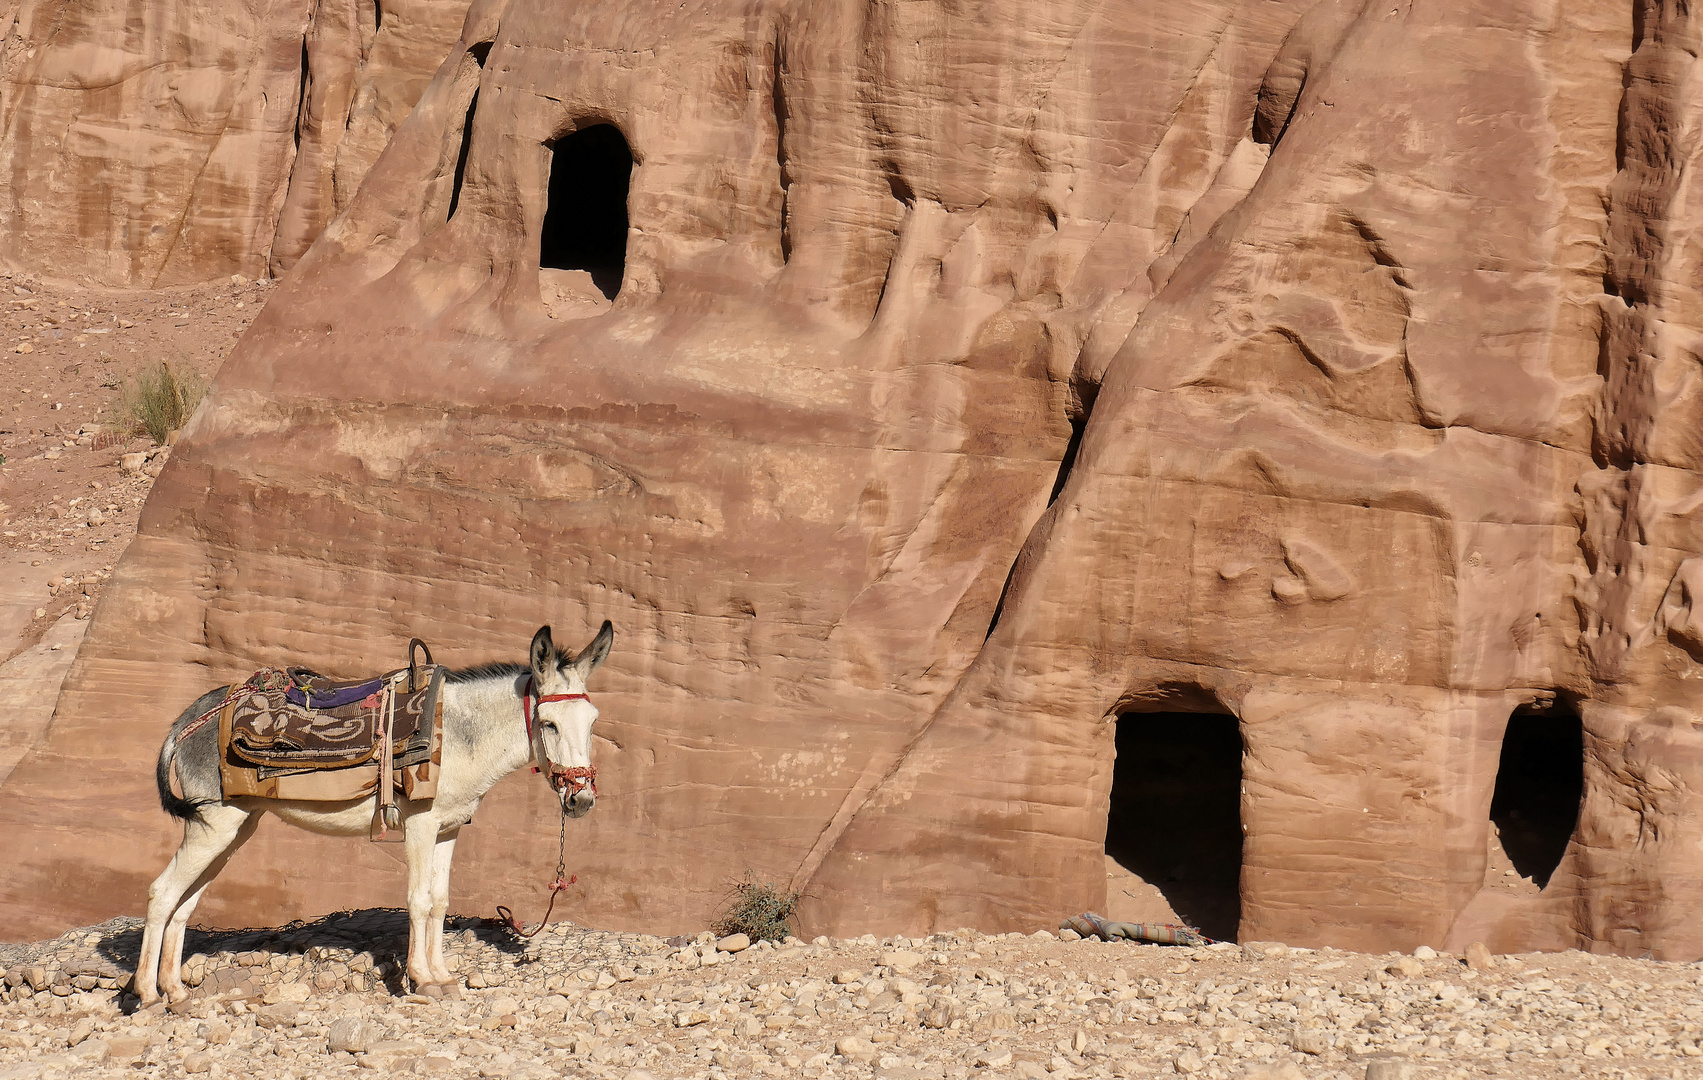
(549, 726)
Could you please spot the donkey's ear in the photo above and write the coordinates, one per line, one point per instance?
(543, 652)
(595, 653)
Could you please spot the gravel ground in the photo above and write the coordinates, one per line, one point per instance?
(324, 999)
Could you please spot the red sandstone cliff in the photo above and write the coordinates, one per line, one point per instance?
(977, 375)
(160, 144)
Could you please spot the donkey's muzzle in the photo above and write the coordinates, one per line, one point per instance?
(574, 780)
(577, 787)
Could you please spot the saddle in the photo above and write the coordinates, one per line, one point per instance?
(295, 734)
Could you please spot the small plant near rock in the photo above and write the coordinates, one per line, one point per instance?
(159, 400)
(759, 910)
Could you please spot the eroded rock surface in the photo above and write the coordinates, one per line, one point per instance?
(977, 376)
(30, 683)
(173, 143)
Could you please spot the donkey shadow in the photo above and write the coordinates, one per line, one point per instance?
(382, 933)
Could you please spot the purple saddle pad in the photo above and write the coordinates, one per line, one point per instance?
(333, 698)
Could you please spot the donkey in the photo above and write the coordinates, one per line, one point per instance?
(496, 718)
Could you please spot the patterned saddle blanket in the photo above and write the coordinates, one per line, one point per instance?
(294, 734)
(284, 721)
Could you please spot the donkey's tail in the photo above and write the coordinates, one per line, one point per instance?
(178, 807)
(194, 718)
(198, 776)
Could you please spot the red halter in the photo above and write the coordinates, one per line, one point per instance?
(579, 777)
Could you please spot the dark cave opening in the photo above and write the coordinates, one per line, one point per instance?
(1176, 813)
(1540, 781)
(585, 220)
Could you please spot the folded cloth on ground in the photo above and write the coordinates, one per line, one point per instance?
(1090, 925)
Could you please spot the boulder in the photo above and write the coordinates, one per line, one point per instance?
(350, 1034)
(853, 1048)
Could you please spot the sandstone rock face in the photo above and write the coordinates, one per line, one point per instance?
(30, 684)
(168, 143)
(978, 377)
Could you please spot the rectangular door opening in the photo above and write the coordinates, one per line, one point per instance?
(585, 218)
(1174, 834)
(1540, 782)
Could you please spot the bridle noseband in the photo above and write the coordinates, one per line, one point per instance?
(574, 780)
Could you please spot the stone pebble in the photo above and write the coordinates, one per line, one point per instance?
(325, 999)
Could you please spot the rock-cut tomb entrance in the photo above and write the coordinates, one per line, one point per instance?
(1540, 782)
(582, 251)
(1174, 831)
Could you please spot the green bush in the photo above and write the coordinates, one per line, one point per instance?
(758, 910)
(159, 400)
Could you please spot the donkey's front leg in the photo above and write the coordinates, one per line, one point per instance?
(421, 832)
(442, 855)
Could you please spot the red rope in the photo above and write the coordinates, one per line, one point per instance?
(557, 887)
(506, 916)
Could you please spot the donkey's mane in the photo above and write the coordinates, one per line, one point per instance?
(480, 672)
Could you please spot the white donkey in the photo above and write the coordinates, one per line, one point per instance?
(487, 714)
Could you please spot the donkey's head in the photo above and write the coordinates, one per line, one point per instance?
(562, 716)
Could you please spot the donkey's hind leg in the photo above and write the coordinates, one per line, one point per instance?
(171, 951)
(208, 840)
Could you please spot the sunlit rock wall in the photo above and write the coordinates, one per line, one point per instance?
(177, 141)
(1375, 323)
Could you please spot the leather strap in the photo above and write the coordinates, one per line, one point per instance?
(528, 708)
(386, 793)
(413, 668)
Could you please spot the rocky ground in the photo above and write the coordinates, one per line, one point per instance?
(68, 504)
(325, 999)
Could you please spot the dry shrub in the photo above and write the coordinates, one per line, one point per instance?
(159, 400)
(758, 910)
